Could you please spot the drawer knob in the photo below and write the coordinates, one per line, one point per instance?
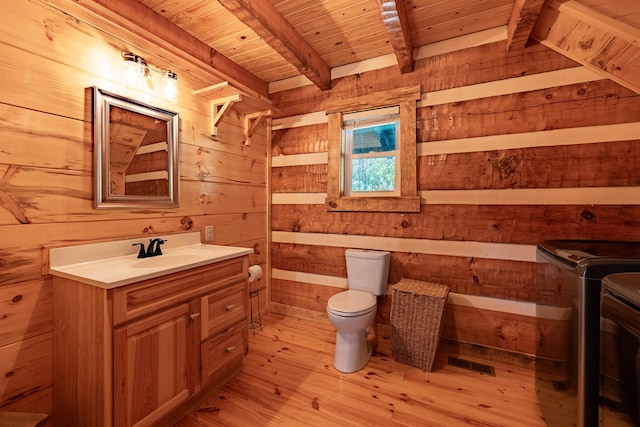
(230, 306)
(229, 349)
(193, 316)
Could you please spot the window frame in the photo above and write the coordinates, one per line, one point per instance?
(408, 199)
(364, 120)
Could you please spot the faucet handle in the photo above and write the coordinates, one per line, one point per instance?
(158, 250)
(141, 253)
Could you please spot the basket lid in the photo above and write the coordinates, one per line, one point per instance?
(419, 287)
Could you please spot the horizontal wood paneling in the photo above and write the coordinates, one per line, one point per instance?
(568, 166)
(27, 310)
(460, 68)
(300, 140)
(528, 335)
(323, 260)
(609, 164)
(37, 195)
(38, 401)
(511, 280)
(557, 137)
(300, 179)
(524, 196)
(481, 139)
(568, 136)
(513, 85)
(526, 224)
(585, 104)
(301, 295)
(61, 143)
(207, 199)
(64, 142)
(51, 60)
(26, 368)
(208, 165)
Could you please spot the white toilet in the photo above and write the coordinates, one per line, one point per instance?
(352, 311)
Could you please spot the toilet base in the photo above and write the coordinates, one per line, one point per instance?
(352, 351)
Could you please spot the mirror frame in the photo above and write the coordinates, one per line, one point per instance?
(102, 102)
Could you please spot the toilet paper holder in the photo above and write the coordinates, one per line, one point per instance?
(255, 273)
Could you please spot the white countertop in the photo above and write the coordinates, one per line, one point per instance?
(111, 264)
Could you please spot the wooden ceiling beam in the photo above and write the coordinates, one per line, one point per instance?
(263, 18)
(394, 18)
(523, 18)
(603, 44)
(143, 22)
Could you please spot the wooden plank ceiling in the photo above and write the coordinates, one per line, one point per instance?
(340, 31)
(279, 39)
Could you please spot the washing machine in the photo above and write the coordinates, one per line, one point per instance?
(572, 273)
(621, 313)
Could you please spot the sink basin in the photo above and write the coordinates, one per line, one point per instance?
(103, 265)
(167, 261)
(182, 256)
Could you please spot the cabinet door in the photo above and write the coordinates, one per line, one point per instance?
(152, 360)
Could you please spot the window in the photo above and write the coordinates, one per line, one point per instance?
(371, 156)
(372, 152)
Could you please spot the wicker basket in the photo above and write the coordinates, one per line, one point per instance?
(417, 310)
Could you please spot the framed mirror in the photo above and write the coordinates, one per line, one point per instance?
(135, 154)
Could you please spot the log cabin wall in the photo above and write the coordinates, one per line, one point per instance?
(50, 59)
(513, 149)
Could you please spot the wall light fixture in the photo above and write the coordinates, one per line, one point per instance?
(137, 70)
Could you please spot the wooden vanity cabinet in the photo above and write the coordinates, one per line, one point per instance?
(148, 352)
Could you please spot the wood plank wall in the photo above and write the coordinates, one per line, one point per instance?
(513, 149)
(49, 60)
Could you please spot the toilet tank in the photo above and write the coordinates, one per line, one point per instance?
(368, 270)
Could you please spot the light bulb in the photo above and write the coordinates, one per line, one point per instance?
(135, 68)
(170, 81)
(131, 73)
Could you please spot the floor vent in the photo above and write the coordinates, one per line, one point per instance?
(472, 366)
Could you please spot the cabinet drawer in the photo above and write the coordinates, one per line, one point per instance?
(150, 295)
(222, 309)
(222, 355)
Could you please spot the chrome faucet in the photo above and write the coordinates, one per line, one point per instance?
(152, 250)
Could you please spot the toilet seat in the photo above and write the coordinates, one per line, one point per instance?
(351, 303)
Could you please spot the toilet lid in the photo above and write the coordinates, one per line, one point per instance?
(351, 302)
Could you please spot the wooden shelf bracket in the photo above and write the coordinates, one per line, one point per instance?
(251, 123)
(223, 95)
(217, 109)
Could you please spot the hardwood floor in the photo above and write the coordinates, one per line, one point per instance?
(289, 380)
